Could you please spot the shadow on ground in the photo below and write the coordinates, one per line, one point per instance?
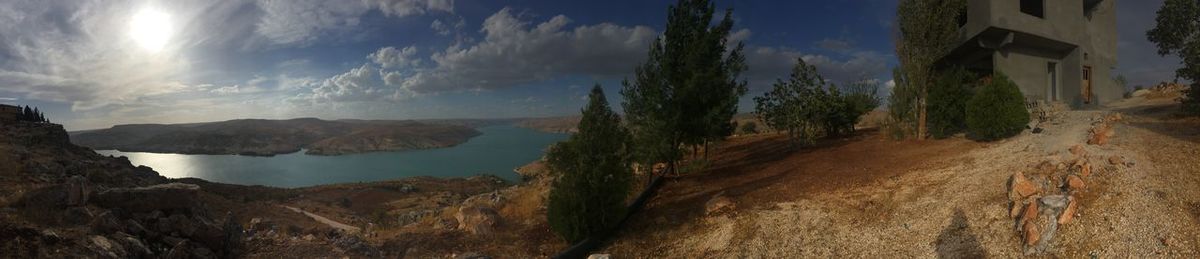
(957, 241)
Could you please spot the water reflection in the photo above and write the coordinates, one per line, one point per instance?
(497, 151)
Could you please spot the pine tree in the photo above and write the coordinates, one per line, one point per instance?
(593, 170)
(686, 92)
(27, 114)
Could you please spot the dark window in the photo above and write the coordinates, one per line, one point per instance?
(1034, 7)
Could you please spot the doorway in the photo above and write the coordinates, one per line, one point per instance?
(1087, 85)
(1052, 81)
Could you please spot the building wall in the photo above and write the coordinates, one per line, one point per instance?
(1094, 38)
(9, 113)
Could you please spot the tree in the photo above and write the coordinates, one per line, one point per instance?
(807, 108)
(794, 105)
(686, 91)
(948, 102)
(593, 173)
(1178, 31)
(928, 31)
(997, 111)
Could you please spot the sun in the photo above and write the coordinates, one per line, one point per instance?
(150, 29)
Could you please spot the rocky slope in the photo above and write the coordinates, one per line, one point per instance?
(271, 137)
(59, 200)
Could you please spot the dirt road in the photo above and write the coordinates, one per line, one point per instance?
(326, 221)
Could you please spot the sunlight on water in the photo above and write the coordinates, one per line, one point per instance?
(498, 151)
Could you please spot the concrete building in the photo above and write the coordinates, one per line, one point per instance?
(1055, 50)
(8, 113)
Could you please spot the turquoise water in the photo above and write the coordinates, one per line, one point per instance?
(498, 151)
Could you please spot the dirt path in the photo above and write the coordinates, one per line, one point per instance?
(338, 225)
(866, 197)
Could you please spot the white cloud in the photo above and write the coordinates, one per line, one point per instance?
(739, 36)
(890, 84)
(532, 53)
(391, 57)
(303, 21)
(768, 63)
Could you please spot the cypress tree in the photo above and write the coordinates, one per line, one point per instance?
(593, 173)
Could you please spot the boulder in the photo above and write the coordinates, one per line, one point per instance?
(598, 256)
(1069, 212)
(78, 189)
(718, 203)
(78, 215)
(106, 223)
(1020, 187)
(107, 247)
(1075, 183)
(1085, 169)
(477, 220)
(1101, 134)
(1015, 210)
(171, 197)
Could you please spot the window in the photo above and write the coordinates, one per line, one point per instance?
(1034, 7)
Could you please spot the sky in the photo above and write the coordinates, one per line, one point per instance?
(91, 64)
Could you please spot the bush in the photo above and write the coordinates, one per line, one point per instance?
(997, 111)
(750, 128)
(947, 113)
(807, 108)
(593, 174)
(846, 106)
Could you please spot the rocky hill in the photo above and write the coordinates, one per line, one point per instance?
(271, 137)
(59, 200)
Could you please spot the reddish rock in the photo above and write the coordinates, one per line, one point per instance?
(1116, 160)
(1020, 187)
(1100, 134)
(1032, 233)
(1078, 150)
(1030, 213)
(1075, 183)
(1069, 212)
(1085, 170)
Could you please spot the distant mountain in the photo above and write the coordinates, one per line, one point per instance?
(271, 137)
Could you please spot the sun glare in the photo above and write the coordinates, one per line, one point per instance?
(150, 29)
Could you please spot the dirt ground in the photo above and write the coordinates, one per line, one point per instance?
(865, 196)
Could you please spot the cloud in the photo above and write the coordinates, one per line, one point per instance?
(835, 45)
(391, 57)
(443, 28)
(1137, 57)
(532, 53)
(739, 36)
(890, 84)
(769, 63)
(302, 21)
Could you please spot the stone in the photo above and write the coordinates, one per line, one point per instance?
(1015, 210)
(718, 203)
(107, 247)
(78, 190)
(1116, 160)
(477, 220)
(1078, 150)
(309, 237)
(1032, 233)
(1030, 214)
(1069, 212)
(598, 256)
(106, 222)
(261, 224)
(78, 215)
(1055, 201)
(1085, 170)
(1020, 187)
(1100, 134)
(1075, 183)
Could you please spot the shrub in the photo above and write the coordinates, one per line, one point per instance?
(807, 108)
(948, 103)
(750, 128)
(997, 111)
(593, 174)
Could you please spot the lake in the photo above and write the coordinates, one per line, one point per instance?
(498, 151)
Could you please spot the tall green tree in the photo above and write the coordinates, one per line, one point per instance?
(686, 91)
(1178, 32)
(593, 170)
(928, 30)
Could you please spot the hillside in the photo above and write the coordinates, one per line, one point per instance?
(272, 137)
